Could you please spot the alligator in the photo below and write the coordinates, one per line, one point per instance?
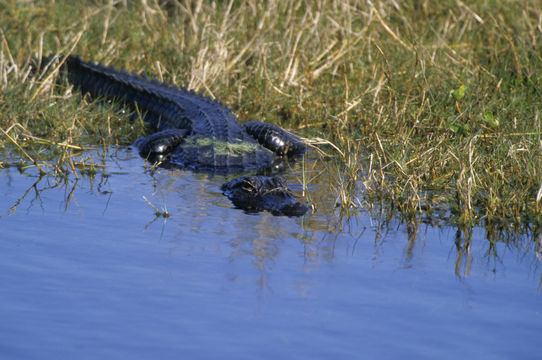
(196, 132)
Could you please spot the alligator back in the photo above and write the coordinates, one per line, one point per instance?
(215, 139)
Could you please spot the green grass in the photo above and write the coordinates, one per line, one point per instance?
(430, 105)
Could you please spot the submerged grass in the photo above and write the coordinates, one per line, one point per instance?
(431, 106)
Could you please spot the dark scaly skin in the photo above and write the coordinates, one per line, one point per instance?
(197, 132)
(275, 138)
(163, 142)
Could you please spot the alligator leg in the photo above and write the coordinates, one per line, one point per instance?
(258, 193)
(158, 145)
(275, 139)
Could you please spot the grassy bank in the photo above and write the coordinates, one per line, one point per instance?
(432, 104)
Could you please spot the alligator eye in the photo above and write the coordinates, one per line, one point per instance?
(159, 149)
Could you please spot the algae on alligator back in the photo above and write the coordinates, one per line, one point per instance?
(220, 147)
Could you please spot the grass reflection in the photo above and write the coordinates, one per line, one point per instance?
(195, 207)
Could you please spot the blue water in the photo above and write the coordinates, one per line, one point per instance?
(88, 272)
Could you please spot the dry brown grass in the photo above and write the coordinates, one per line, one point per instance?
(428, 105)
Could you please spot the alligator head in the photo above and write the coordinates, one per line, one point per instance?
(258, 193)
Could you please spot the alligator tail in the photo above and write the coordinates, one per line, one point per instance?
(138, 92)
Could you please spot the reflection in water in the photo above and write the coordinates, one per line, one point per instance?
(23, 197)
(260, 236)
(44, 183)
(463, 245)
(87, 260)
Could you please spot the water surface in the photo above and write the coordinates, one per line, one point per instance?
(87, 271)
